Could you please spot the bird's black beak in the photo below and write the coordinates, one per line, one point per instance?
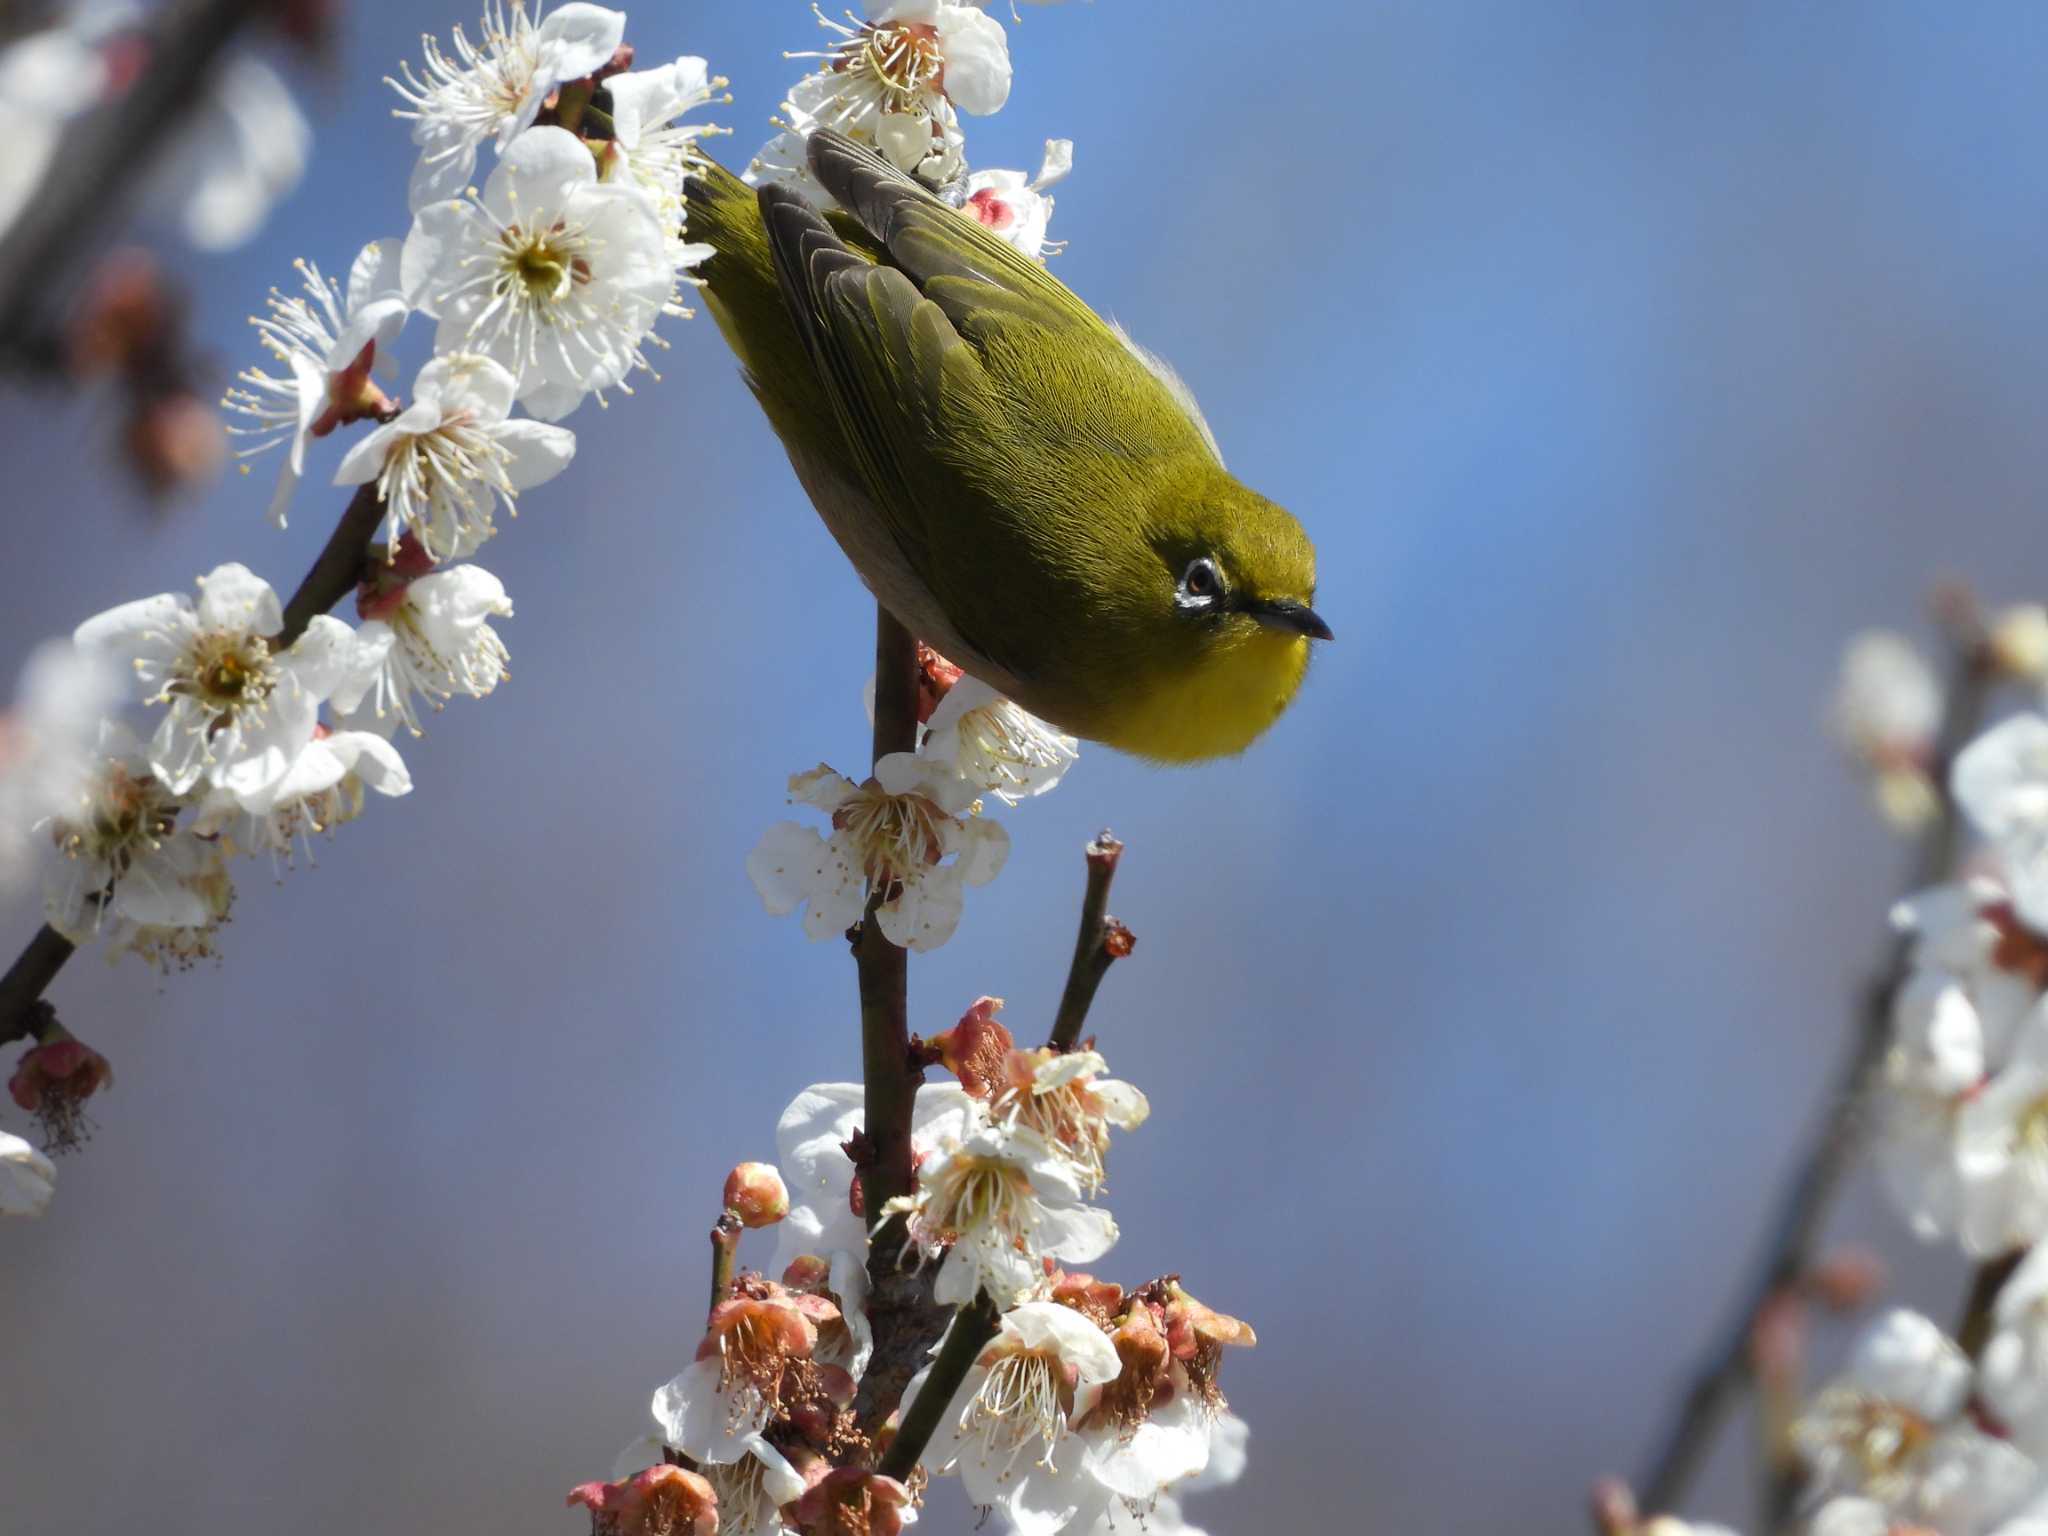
(1286, 613)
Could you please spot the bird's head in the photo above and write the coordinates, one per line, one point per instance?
(1230, 594)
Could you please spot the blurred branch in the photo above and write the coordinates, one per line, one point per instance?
(1102, 941)
(1831, 1153)
(1973, 1330)
(107, 153)
(334, 575)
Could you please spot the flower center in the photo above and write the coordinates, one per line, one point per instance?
(2033, 1127)
(1025, 1398)
(544, 264)
(978, 1193)
(901, 60)
(897, 834)
(227, 670)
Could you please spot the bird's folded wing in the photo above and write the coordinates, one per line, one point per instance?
(901, 382)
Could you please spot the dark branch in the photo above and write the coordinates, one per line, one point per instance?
(105, 157)
(904, 1317)
(1795, 1232)
(973, 1326)
(334, 575)
(1102, 941)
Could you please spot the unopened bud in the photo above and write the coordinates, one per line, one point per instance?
(935, 679)
(808, 1272)
(1846, 1279)
(1614, 1507)
(174, 440)
(757, 1192)
(123, 318)
(2019, 642)
(1777, 1338)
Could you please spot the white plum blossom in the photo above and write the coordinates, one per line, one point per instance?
(992, 1206)
(429, 637)
(2013, 1371)
(323, 789)
(1071, 1100)
(551, 273)
(46, 744)
(46, 78)
(1014, 207)
(1894, 1429)
(445, 465)
(237, 711)
(894, 81)
(2002, 1149)
(910, 831)
(1011, 1438)
(495, 88)
(2000, 781)
(327, 341)
(242, 148)
(995, 745)
(27, 1178)
(656, 152)
(1887, 711)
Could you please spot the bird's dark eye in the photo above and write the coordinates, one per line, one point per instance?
(1201, 580)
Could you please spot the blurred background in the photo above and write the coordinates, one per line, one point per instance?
(1621, 360)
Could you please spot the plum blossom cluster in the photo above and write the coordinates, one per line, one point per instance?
(1086, 1407)
(1921, 1432)
(252, 725)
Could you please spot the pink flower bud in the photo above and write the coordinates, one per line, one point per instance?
(757, 1192)
(174, 440)
(1846, 1280)
(123, 320)
(935, 679)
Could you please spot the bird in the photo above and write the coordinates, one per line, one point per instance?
(1020, 485)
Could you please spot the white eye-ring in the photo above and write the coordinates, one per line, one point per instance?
(1201, 584)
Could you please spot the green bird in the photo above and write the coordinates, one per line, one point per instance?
(1020, 485)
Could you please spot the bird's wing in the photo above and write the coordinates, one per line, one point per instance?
(897, 373)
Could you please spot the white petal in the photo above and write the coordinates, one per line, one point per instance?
(579, 39)
(442, 235)
(232, 596)
(536, 175)
(539, 452)
(698, 1416)
(977, 59)
(27, 1178)
(468, 381)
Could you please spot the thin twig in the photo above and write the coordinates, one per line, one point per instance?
(106, 155)
(1101, 942)
(725, 1247)
(1796, 1229)
(973, 1326)
(335, 573)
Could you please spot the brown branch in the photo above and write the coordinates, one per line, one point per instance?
(1795, 1231)
(334, 575)
(973, 1326)
(1973, 1331)
(106, 155)
(905, 1319)
(1101, 942)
